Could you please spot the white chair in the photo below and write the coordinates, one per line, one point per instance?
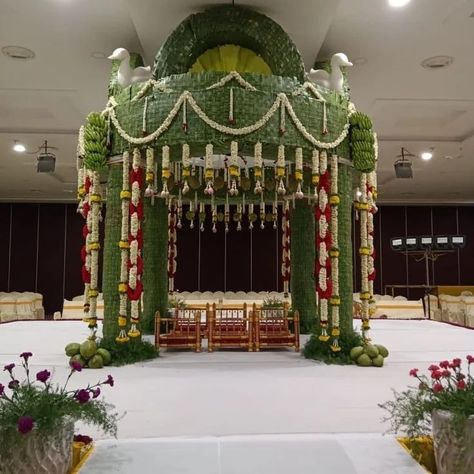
(8, 307)
(435, 313)
(468, 304)
(400, 298)
(25, 306)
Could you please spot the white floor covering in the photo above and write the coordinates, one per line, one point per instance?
(183, 394)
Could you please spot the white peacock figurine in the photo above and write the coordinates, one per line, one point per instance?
(125, 74)
(331, 80)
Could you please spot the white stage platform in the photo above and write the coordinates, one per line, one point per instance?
(260, 454)
(239, 393)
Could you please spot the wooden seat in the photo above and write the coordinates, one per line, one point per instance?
(274, 328)
(230, 327)
(180, 331)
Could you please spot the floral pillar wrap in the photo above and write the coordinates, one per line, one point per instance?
(172, 249)
(323, 242)
(81, 172)
(334, 201)
(125, 196)
(258, 168)
(371, 211)
(93, 247)
(286, 252)
(364, 256)
(135, 285)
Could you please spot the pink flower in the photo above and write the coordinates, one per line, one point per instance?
(433, 367)
(470, 359)
(456, 363)
(2, 389)
(43, 376)
(9, 368)
(446, 373)
(26, 355)
(461, 385)
(82, 396)
(436, 374)
(444, 364)
(13, 384)
(75, 366)
(413, 372)
(95, 392)
(109, 381)
(25, 424)
(437, 387)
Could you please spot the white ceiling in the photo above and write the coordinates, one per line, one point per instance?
(49, 97)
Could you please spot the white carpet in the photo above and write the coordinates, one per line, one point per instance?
(239, 393)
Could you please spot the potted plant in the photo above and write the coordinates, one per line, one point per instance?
(37, 419)
(442, 403)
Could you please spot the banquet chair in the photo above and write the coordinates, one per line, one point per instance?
(180, 331)
(229, 327)
(468, 303)
(273, 327)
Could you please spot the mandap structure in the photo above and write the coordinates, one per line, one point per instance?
(226, 121)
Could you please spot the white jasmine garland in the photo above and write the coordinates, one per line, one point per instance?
(323, 162)
(135, 193)
(137, 158)
(133, 252)
(315, 162)
(233, 75)
(134, 225)
(299, 159)
(323, 310)
(134, 312)
(323, 280)
(323, 199)
(323, 254)
(132, 277)
(185, 157)
(165, 163)
(186, 96)
(258, 155)
(323, 226)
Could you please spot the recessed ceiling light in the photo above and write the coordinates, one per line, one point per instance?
(18, 53)
(437, 62)
(19, 147)
(398, 3)
(427, 155)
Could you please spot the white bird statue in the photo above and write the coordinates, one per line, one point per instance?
(125, 74)
(331, 80)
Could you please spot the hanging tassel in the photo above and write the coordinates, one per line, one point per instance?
(280, 170)
(122, 337)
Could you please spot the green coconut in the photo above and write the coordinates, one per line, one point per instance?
(72, 349)
(383, 351)
(97, 362)
(88, 349)
(378, 361)
(78, 358)
(105, 354)
(364, 360)
(371, 351)
(356, 352)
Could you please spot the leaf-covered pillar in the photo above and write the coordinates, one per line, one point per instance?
(345, 248)
(111, 268)
(155, 259)
(303, 293)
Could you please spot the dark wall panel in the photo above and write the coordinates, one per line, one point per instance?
(23, 247)
(51, 277)
(466, 260)
(74, 241)
(187, 271)
(4, 244)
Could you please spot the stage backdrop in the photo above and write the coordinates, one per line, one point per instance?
(40, 251)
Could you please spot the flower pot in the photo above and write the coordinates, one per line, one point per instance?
(453, 456)
(40, 454)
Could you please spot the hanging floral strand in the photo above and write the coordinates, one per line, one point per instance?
(125, 196)
(234, 168)
(135, 285)
(81, 172)
(172, 248)
(286, 249)
(364, 252)
(95, 199)
(335, 301)
(323, 242)
(315, 171)
(85, 250)
(209, 170)
(258, 168)
(165, 170)
(299, 172)
(280, 170)
(150, 172)
(186, 161)
(262, 212)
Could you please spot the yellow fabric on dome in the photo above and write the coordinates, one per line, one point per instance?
(231, 57)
